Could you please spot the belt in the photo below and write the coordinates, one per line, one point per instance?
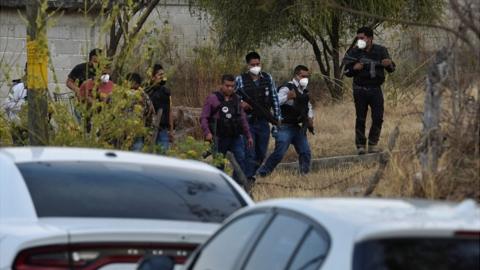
(366, 87)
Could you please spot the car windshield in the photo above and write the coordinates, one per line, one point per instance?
(417, 253)
(124, 190)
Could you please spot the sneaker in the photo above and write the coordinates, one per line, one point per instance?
(361, 150)
(373, 149)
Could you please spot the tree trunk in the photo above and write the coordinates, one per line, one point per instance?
(430, 149)
(337, 89)
(37, 74)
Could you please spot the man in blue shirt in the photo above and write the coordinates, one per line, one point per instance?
(259, 97)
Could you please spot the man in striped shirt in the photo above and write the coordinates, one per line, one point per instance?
(259, 97)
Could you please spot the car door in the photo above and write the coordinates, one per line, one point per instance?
(269, 239)
(225, 248)
(291, 241)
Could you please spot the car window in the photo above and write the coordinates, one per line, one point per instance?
(277, 244)
(311, 253)
(417, 253)
(224, 249)
(124, 190)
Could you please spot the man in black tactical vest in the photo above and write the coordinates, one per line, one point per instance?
(297, 116)
(223, 121)
(259, 97)
(366, 63)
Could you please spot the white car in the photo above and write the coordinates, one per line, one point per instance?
(73, 208)
(342, 234)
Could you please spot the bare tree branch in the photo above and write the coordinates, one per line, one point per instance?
(462, 16)
(455, 32)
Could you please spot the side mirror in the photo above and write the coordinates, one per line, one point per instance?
(156, 263)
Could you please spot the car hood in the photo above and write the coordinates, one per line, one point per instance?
(131, 230)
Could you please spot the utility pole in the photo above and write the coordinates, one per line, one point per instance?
(37, 74)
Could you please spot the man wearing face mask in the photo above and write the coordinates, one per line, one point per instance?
(160, 96)
(297, 113)
(259, 97)
(366, 63)
(100, 89)
(84, 71)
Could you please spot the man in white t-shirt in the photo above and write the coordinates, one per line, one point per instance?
(15, 100)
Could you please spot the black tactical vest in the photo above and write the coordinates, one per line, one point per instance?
(229, 122)
(298, 113)
(261, 94)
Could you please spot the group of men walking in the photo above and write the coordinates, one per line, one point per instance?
(240, 116)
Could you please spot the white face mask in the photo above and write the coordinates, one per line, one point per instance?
(303, 82)
(105, 78)
(255, 70)
(361, 44)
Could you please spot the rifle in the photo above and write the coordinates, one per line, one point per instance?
(372, 64)
(258, 108)
(212, 124)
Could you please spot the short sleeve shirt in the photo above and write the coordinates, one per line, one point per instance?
(81, 73)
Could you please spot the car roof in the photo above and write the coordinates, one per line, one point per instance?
(375, 217)
(39, 154)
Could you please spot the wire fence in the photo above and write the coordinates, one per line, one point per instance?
(302, 187)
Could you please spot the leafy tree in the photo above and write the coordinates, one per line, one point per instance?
(125, 24)
(326, 25)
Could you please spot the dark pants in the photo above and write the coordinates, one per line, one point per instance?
(288, 134)
(260, 130)
(368, 96)
(234, 145)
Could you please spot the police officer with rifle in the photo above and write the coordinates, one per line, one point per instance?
(259, 97)
(223, 122)
(366, 63)
(297, 116)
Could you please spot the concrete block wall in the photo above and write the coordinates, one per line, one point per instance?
(69, 40)
(72, 36)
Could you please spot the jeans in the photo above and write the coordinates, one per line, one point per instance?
(363, 97)
(163, 140)
(289, 134)
(234, 145)
(260, 130)
(138, 144)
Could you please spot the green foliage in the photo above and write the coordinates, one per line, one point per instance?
(5, 131)
(190, 148)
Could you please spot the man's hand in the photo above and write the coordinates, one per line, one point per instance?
(358, 66)
(386, 62)
(291, 95)
(171, 136)
(209, 137)
(310, 122)
(310, 126)
(245, 106)
(250, 143)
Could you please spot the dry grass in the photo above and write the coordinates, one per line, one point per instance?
(334, 125)
(335, 136)
(335, 128)
(346, 181)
